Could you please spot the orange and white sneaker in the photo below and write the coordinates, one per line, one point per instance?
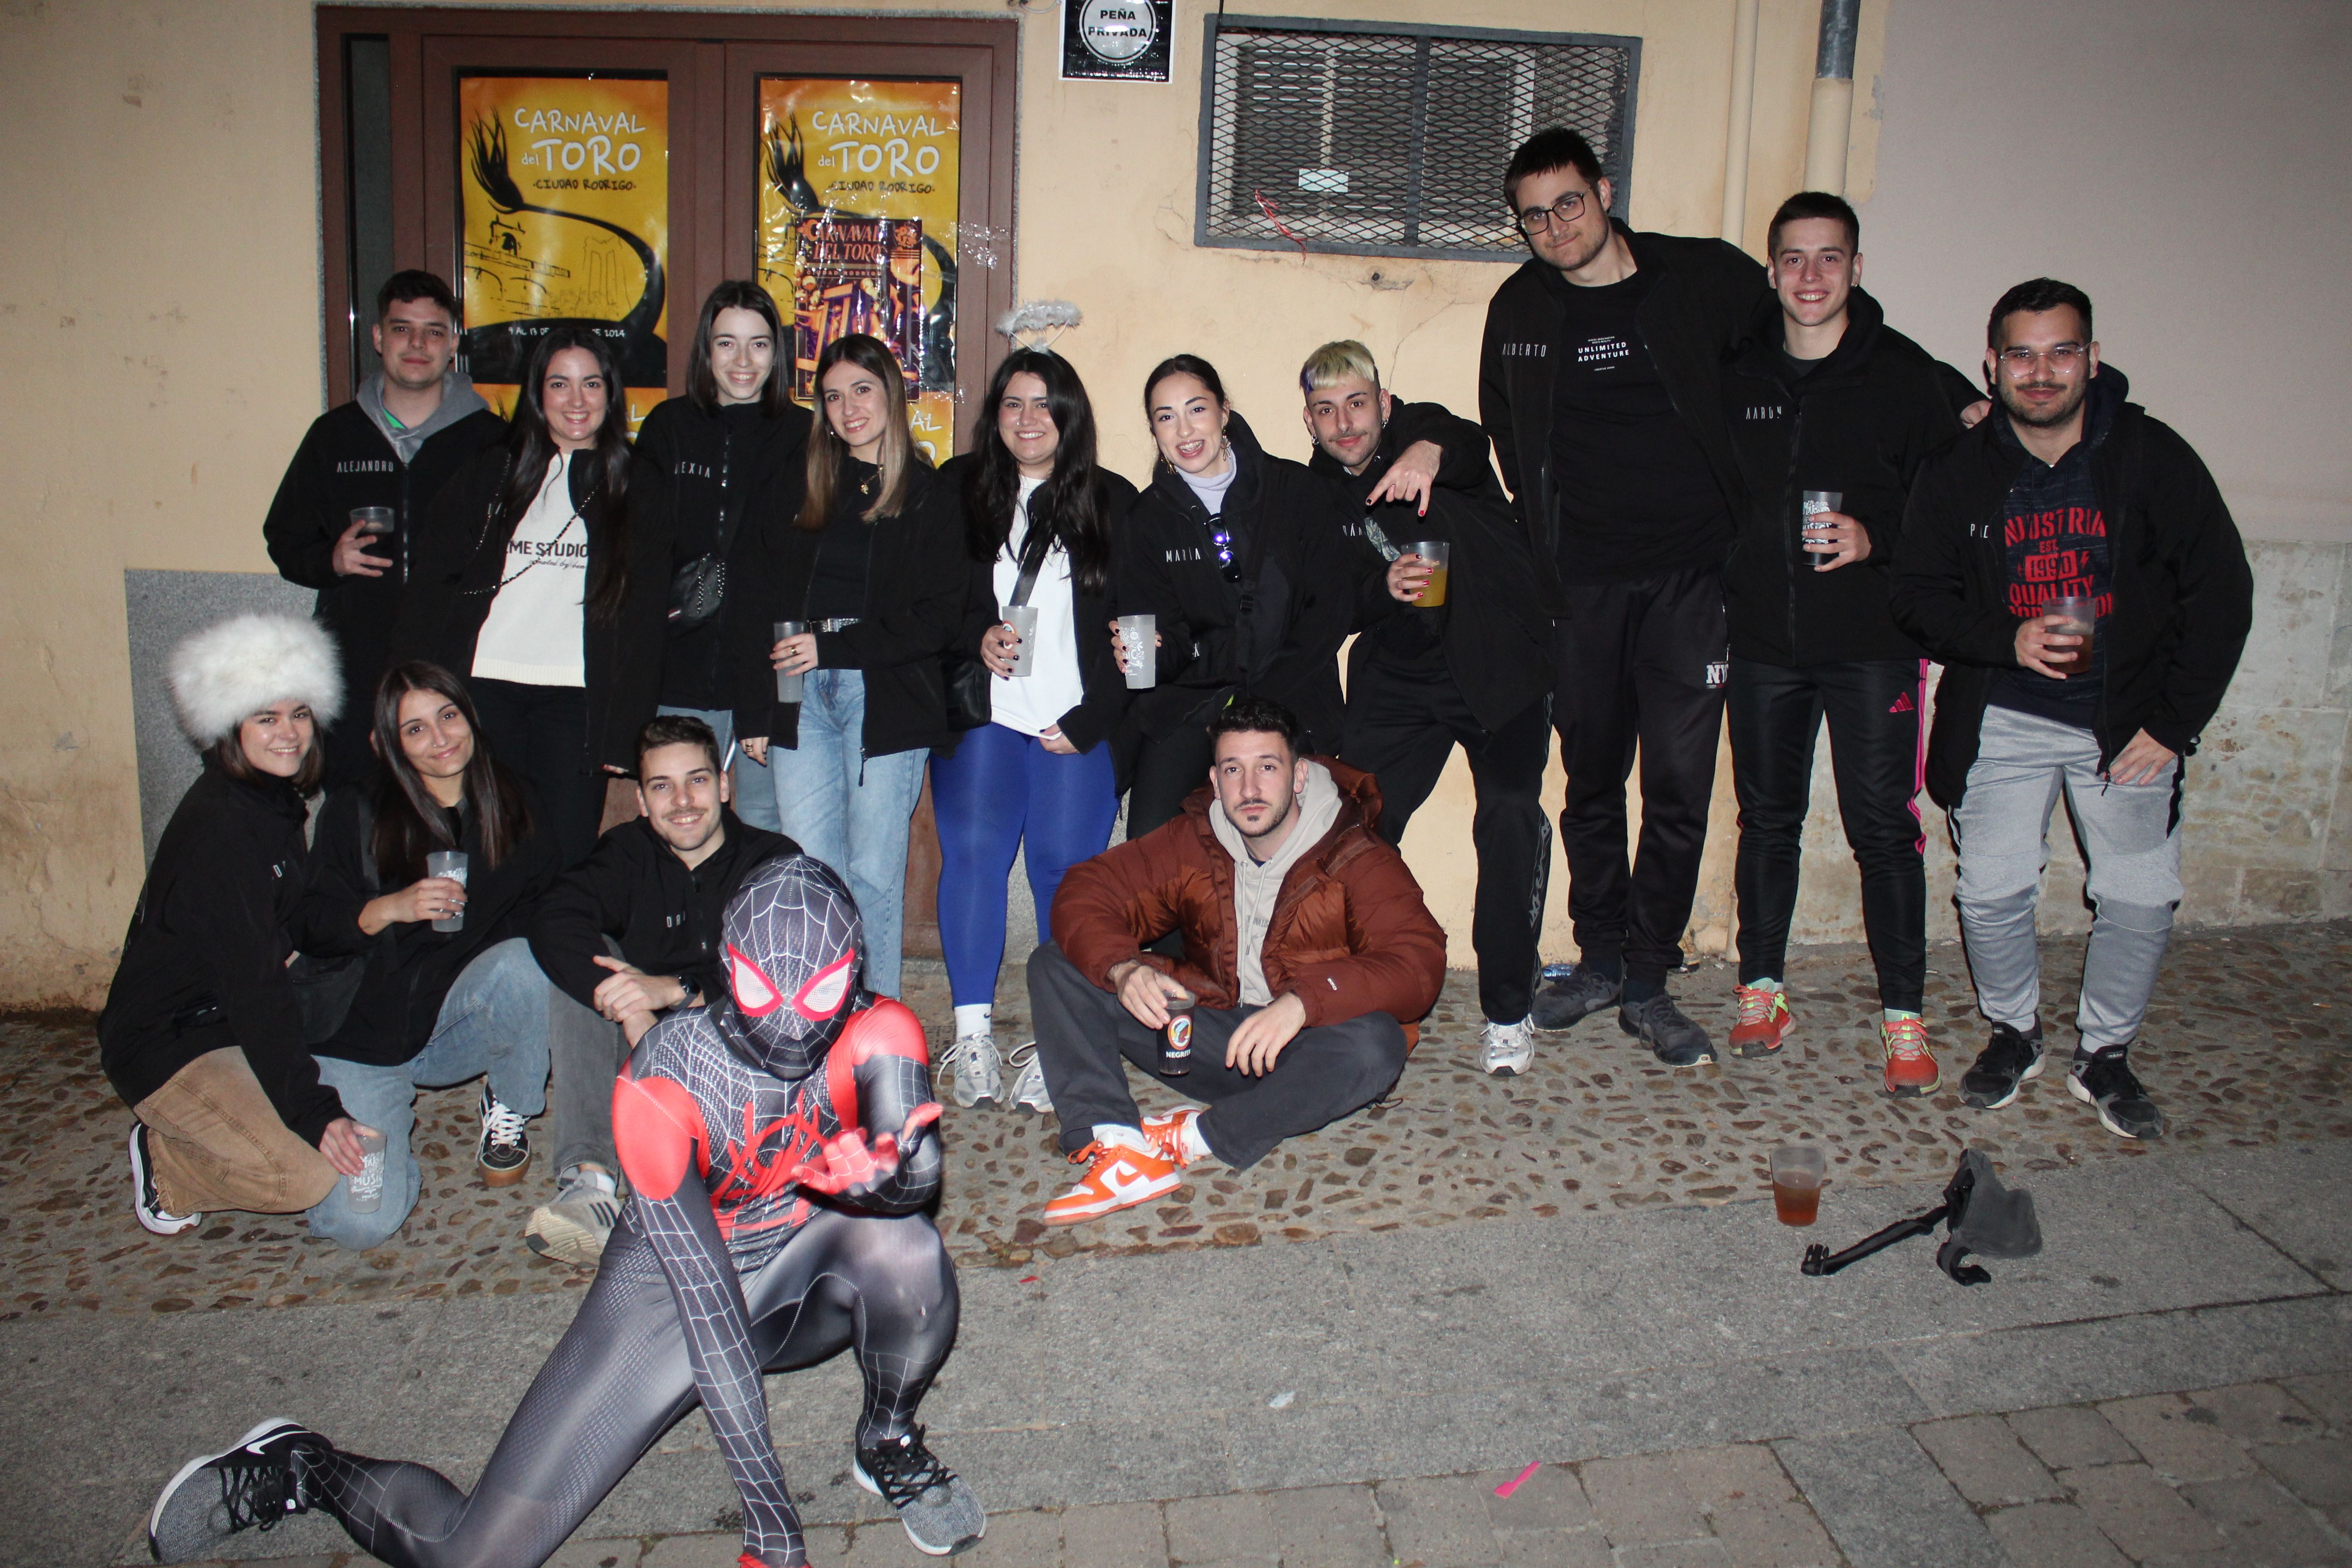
(1764, 1018)
(1911, 1069)
(1167, 1132)
(1118, 1177)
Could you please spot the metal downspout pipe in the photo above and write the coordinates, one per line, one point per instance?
(1743, 107)
(1833, 116)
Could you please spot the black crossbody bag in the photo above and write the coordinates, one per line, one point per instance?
(967, 677)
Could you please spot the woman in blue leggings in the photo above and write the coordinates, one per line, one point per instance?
(1042, 522)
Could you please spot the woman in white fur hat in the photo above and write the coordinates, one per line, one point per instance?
(202, 1037)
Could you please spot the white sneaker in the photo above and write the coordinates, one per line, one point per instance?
(574, 1229)
(1507, 1048)
(978, 1077)
(1029, 1095)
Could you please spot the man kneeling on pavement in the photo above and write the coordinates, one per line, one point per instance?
(1308, 956)
(630, 933)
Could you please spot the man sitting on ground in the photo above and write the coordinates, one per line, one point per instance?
(630, 933)
(1308, 951)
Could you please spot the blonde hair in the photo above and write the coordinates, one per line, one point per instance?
(1346, 360)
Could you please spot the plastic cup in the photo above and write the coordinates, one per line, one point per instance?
(1023, 620)
(1176, 1039)
(1136, 636)
(1816, 503)
(366, 1189)
(2074, 615)
(374, 519)
(1439, 555)
(788, 687)
(1797, 1183)
(449, 863)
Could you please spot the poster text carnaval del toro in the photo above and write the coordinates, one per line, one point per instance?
(858, 187)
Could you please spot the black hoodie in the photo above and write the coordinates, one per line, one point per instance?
(666, 916)
(203, 963)
(1861, 422)
(706, 465)
(1277, 633)
(1694, 312)
(409, 966)
(2183, 594)
(1489, 634)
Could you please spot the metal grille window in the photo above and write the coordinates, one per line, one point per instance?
(1382, 139)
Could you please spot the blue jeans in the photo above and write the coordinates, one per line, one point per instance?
(755, 793)
(493, 1021)
(1003, 787)
(851, 810)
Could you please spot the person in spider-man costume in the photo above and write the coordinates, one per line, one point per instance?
(779, 1148)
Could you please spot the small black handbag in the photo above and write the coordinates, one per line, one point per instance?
(966, 677)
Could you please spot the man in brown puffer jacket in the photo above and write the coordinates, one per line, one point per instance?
(1309, 957)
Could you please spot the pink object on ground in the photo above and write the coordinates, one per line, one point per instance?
(1507, 1487)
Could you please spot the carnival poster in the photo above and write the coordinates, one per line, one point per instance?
(565, 184)
(859, 183)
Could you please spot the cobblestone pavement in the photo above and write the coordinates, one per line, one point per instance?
(2243, 1048)
(2256, 1474)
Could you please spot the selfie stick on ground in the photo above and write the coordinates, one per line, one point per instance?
(1985, 1217)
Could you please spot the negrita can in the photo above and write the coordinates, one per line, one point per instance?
(1176, 1039)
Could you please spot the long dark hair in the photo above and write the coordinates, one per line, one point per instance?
(827, 451)
(1067, 508)
(530, 449)
(409, 822)
(1192, 365)
(739, 294)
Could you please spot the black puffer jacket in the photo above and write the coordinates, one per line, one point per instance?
(1860, 423)
(1275, 634)
(1694, 316)
(708, 464)
(203, 963)
(2184, 594)
(460, 556)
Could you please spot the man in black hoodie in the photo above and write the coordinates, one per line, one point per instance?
(1472, 669)
(1825, 398)
(2069, 492)
(1599, 381)
(413, 424)
(628, 934)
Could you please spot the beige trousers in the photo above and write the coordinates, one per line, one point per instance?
(216, 1143)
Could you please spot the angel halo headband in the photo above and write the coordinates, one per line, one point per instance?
(1037, 324)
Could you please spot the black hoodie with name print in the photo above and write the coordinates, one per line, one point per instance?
(1275, 631)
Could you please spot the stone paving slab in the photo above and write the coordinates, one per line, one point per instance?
(2246, 1048)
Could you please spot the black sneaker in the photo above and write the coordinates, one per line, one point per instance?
(2002, 1068)
(255, 1485)
(145, 1202)
(2106, 1081)
(1658, 1023)
(940, 1514)
(1576, 996)
(503, 1153)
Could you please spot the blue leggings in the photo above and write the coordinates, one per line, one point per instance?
(1000, 786)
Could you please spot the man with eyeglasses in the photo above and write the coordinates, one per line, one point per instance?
(1600, 381)
(2072, 564)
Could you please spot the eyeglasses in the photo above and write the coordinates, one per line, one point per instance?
(2062, 358)
(1221, 541)
(1568, 209)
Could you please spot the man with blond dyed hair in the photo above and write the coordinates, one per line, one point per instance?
(1471, 670)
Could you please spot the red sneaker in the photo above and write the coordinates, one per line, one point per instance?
(1116, 1178)
(1764, 1018)
(1166, 1133)
(1911, 1069)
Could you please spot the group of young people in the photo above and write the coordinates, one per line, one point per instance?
(1693, 483)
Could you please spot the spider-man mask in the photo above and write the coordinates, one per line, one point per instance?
(795, 954)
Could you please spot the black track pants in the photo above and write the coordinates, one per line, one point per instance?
(1402, 729)
(883, 1287)
(1167, 769)
(1640, 662)
(541, 733)
(1877, 711)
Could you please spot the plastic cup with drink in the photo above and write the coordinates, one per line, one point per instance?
(788, 687)
(1023, 620)
(1137, 638)
(449, 863)
(2072, 616)
(365, 1190)
(1817, 544)
(1176, 1039)
(1439, 555)
(374, 521)
(1797, 1183)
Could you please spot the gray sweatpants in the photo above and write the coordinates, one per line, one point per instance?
(585, 1053)
(2131, 834)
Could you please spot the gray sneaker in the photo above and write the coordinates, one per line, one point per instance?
(979, 1076)
(1029, 1096)
(1670, 1034)
(1577, 995)
(574, 1229)
(940, 1514)
(256, 1485)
